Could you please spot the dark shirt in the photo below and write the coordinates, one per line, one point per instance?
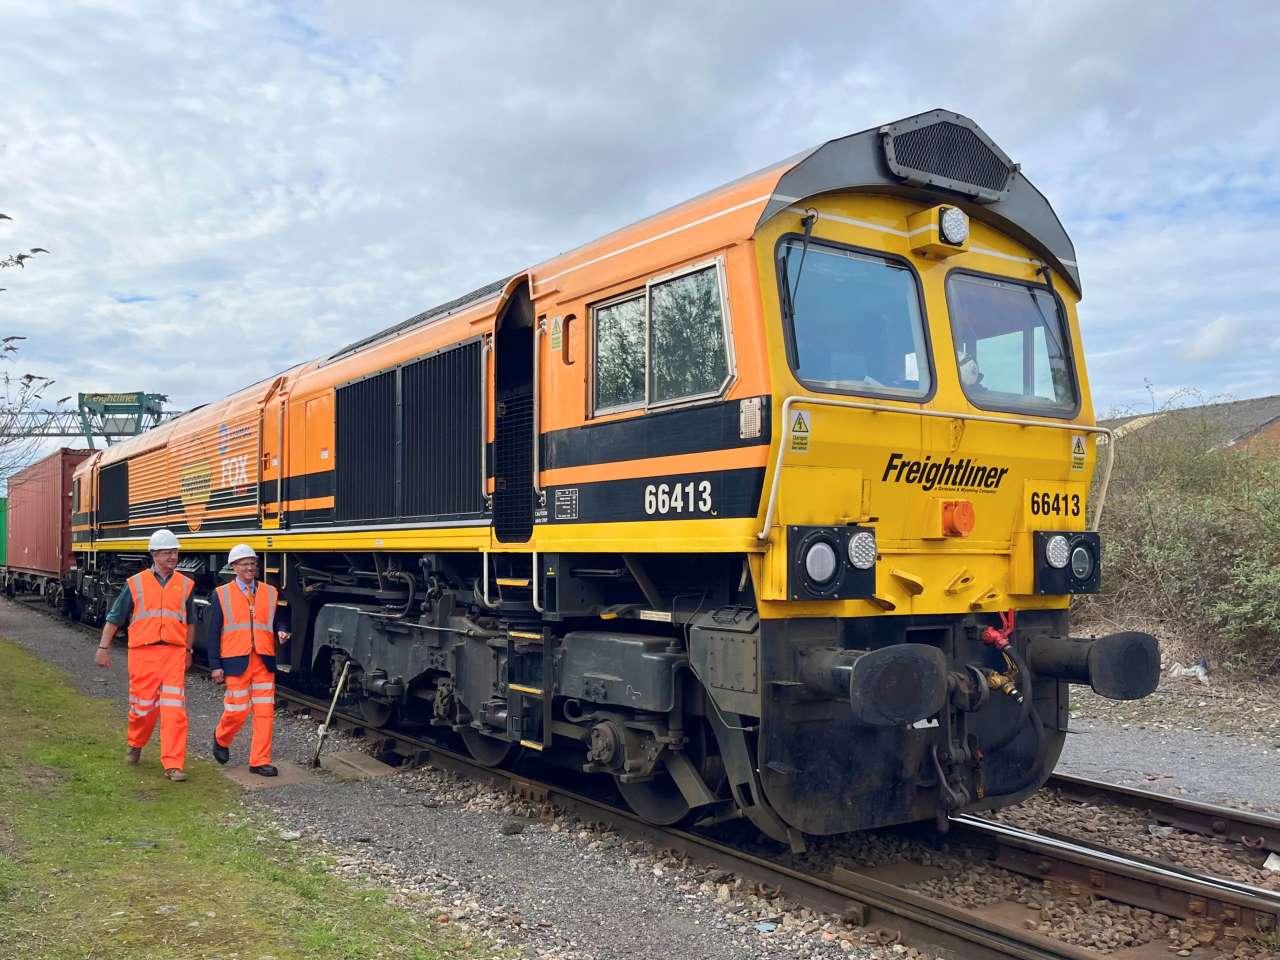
(235, 666)
(122, 609)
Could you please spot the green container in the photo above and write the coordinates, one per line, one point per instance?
(4, 531)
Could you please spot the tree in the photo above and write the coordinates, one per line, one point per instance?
(21, 392)
(18, 259)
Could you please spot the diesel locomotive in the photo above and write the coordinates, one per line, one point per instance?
(769, 506)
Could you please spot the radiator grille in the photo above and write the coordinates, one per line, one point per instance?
(951, 155)
(366, 448)
(441, 433)
(513, 471)
(113, 493)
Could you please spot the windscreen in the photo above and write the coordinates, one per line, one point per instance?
(1011, 345)
(856, 323)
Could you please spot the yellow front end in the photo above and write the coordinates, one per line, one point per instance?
(953, 477)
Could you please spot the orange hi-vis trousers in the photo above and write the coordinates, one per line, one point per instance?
(157, 691)
(254, 690)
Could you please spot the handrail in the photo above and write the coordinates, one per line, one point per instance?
(484, 421)
(936, 414)
(539, 328)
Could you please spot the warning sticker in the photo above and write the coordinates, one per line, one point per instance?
(800, 432)
(1077, 451)
(557, 333)
(566, 503)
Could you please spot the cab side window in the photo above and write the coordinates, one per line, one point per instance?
(686, 337)
(619, 355)
(664, 345)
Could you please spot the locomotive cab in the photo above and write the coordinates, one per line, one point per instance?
(930, 496)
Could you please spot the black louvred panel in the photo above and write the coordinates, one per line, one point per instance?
(513, 470)
(440, 401)
(366, 449)
(949, 150)
(113, 493)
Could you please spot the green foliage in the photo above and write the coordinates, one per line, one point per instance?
(1191, 543)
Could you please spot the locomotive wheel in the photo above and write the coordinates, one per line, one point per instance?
(374, 713)
(658, 800)
(485, 750)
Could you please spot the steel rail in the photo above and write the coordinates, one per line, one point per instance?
(1139, 882)
(1256, 830)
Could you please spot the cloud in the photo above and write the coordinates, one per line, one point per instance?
(280, 179)
(1219, 336)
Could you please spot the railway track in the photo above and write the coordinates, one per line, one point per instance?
(868, 900)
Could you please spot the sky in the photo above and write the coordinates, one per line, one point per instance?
(229, 188)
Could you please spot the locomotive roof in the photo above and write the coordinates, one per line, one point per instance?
(934, 156)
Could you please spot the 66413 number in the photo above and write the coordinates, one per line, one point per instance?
(1055, 504)
(693, 496)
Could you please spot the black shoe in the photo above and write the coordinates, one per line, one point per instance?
(266, 770)
(220, 753)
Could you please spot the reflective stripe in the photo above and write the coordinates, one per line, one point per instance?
(263, 700)
(172, 703)
(140, 702)
(235, 707)
(135, 712)
(152, 614)
(262, 686)
(237, 626)
(242, 692)
(165, 688)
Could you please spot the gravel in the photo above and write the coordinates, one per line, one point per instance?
(543, 885)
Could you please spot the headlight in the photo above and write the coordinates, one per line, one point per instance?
(1081, 563)
(1057, 552)
(820, 562)
(954, 224)
(862, 550)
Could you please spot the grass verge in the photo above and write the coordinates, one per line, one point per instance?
(100, 860)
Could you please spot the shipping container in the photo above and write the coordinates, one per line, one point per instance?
(38, 534)
(4, 529)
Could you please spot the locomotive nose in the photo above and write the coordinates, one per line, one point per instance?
(888, 687)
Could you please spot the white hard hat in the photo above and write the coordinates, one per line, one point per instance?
(241, 551)
(163, 540)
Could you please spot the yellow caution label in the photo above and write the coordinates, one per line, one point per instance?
(1077, 451)
(800, 432)
(557, 333)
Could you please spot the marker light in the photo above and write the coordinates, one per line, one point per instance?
(1081, 563)
(1057, 551)
(820, 562)
(954, 225)
(862, 550)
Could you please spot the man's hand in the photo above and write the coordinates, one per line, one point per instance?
(283, 636)
(102, 658)
(190, 654)
(217, 676)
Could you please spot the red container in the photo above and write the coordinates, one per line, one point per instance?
(39, 537)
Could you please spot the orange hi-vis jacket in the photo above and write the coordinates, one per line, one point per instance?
(246, 630)
(159, 611)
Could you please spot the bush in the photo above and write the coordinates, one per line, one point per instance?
(1191, 543)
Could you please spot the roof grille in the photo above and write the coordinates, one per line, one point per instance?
(949, 153)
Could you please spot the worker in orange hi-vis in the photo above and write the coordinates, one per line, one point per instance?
(245, 619)
(156, 605)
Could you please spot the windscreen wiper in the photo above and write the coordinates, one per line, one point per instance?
(789, 295)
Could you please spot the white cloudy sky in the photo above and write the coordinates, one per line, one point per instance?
(230, 187)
